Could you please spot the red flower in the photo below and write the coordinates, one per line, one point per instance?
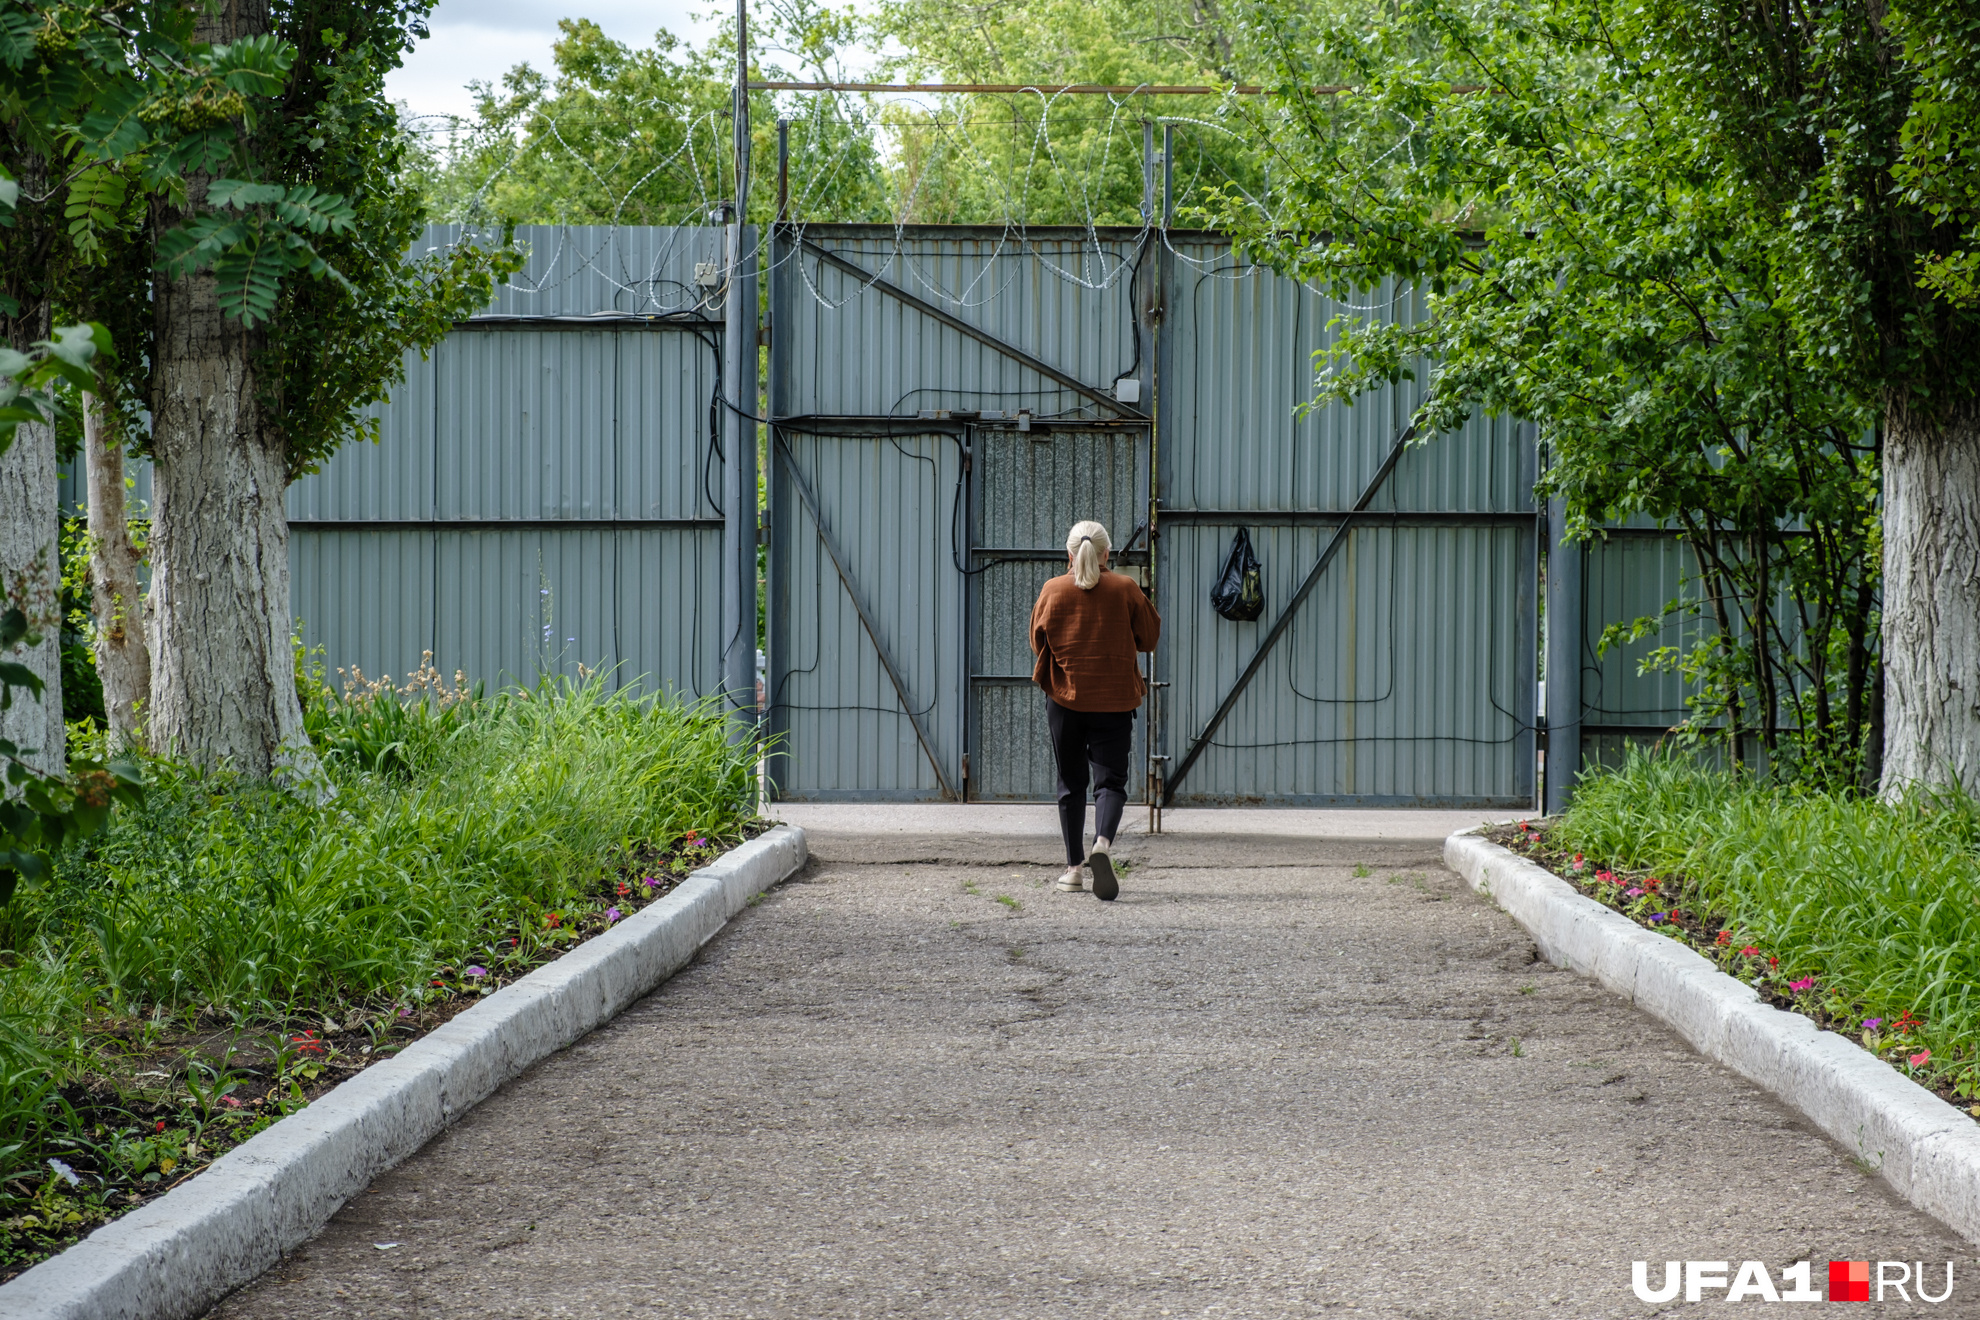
(160, 1127)
(1725, 938)
(553, 919)
(1772, 961)
(1652, 883)
(1749, 952)
(622, 888)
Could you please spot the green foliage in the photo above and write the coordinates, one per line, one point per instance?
(28, 380)
(39, 813)
(1848, 130)
(221, 904)
(1879, 902)
(335, 348)
(82, 689)
(1594, 263)
(128, 100)
(618, 135)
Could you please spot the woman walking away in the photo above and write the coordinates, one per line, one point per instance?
(1085, 630)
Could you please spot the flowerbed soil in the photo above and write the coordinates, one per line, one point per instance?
(1674, 908)
(168, 1098)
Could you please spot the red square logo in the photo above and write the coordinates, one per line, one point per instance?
(1849, 1280)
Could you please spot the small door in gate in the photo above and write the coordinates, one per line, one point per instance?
(1027, 488)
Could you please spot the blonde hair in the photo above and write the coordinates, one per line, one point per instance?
(1088, 545)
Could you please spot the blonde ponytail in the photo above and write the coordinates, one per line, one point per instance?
(1088, 545)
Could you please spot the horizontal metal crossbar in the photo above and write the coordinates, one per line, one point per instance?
(1383, 517)
(601, 321)
(503, 524)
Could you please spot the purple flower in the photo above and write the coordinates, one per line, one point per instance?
(476, 971)
(651, 882)
(1632, 892)
(405, 1012)
(1656, 917)
(1805, 983)
(1871, 1024)
(612, 914)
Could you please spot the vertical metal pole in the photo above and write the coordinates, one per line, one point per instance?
(1158, 762)
(783, 170)
(741, 117)
(1168, 175)
(739, 532)
(1147, 171)
(739, 350)
(1564, 643)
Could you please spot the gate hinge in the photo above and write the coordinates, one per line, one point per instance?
(763, 336)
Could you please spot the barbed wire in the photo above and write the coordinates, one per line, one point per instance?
(899, 146)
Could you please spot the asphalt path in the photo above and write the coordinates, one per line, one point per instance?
(1280, 1077)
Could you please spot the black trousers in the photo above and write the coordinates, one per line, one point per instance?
(1101, 739)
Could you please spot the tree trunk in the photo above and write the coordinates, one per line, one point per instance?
(223, 683)
(1931, 648)
(122, 660)
(31, 558)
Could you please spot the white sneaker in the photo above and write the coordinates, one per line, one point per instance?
(1072, 881)
(1105, 886)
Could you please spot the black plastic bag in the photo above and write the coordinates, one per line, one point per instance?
(1240, 593)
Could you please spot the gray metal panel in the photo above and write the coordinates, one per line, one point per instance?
(366, 596)
(1407, 675)
(525, 424)
(1628, 576)
(889, 505)
(392, 479)
(858, 351)
(1240, 341)
(507, 605)
(586, 270)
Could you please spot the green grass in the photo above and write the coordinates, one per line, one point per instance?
(1878, 902)
(225, 917)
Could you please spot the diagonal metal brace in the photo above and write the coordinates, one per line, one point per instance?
(977, 333)
(859, 606)
(1319, 569)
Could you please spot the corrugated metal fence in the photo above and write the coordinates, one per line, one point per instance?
(545, 491)
(943, 402)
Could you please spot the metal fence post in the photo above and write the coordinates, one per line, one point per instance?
(1564, 645)
(739, 536)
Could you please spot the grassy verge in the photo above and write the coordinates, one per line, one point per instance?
(228, 951)
(1862, 915)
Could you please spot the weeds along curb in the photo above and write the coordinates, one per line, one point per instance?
(176, 1256)
(1926, 1149)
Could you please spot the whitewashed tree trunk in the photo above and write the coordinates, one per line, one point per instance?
(31, 559)
(123, 661)
(1931, 638)
(31, 573)
(223, 686)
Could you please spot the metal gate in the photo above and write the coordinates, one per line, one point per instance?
(945, 402)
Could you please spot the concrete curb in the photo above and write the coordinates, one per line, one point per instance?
(176, 1256)
(1926, 1149)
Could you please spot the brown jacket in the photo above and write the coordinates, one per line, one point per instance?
(1085, 642)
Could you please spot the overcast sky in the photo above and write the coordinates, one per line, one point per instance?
(484, 39)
